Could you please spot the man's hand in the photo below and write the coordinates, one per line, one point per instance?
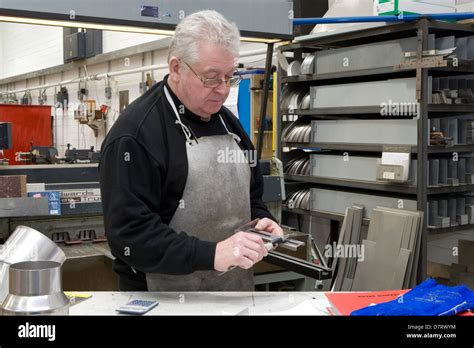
(242, 250)
(269, 225)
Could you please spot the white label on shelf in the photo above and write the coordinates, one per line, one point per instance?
(395, 158)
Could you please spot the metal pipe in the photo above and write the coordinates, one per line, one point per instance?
(264, 102)
(92, 77)
(395, 18)
(253, 53)
(253, 72)
(115, 73)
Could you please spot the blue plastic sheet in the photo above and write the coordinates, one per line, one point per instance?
(429, 298)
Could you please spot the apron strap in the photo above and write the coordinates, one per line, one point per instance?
(235, 136)
(184, 128)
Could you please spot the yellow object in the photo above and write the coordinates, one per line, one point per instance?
(77, 295)
(274, 113)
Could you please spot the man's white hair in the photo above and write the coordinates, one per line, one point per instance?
(203, 27)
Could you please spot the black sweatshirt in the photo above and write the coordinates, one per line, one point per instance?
(143, 172)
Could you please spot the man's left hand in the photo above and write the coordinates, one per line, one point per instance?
(269, 225)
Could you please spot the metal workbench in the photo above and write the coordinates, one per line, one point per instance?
(209, 303)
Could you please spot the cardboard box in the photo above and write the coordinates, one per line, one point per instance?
(395, 7)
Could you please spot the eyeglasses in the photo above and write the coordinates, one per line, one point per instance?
(213, 83)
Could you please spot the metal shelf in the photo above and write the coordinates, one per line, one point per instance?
(321, 214)
(343, 146)
(464, 67)
(449, 110)
(445, 28)
(422, 150)
(379, 186)
(434, 111)
(358, 184)
(376, 147)
(436, 230)
(381, 33)
(454, 148)
(358, 110)
(438, 190)
(343, 74)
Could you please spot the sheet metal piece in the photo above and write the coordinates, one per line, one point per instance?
(373, 93)
(307, 67)
(393, 238)
(294, 68)
(366, 131)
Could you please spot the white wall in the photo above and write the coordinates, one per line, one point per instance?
(26, 48)
(1, 50)
(113, 40)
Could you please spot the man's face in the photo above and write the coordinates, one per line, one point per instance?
(213, 62)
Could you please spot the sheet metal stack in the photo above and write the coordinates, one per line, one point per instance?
(307, 67)
(348, 243)
(452, 91)
(387, 259)
(298, 166)
(446, 172)
(297, 133)
(294, 68)
(299, 200)
(292, 99)
(391, 251)
(450, 212)
(459, 130)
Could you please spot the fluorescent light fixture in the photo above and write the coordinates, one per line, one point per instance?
(110, 27)
(75, 24)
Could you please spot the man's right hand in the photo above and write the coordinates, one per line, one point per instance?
(242, 250)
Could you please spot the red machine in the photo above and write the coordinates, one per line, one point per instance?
(31, 126)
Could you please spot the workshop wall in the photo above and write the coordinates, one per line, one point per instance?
(29, 48)
(25, 48)
(2, 68)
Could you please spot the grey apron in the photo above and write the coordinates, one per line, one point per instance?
(216, 201)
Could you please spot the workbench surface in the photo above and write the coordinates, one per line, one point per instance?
(208, 303)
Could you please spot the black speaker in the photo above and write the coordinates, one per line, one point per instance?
(5, 135)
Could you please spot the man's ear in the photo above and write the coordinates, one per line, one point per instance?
(174, 69)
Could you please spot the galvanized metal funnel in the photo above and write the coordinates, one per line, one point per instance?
(35, 288)
(26, 244)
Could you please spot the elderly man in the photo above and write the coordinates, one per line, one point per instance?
(171, 201)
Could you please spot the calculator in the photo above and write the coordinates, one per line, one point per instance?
(137, 306)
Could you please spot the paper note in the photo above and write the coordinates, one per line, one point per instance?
(395, 158)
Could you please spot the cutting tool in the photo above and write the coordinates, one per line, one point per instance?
(271, 240)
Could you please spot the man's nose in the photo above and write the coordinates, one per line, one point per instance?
(221, 89)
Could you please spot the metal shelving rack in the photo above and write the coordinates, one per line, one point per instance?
(420, 29)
